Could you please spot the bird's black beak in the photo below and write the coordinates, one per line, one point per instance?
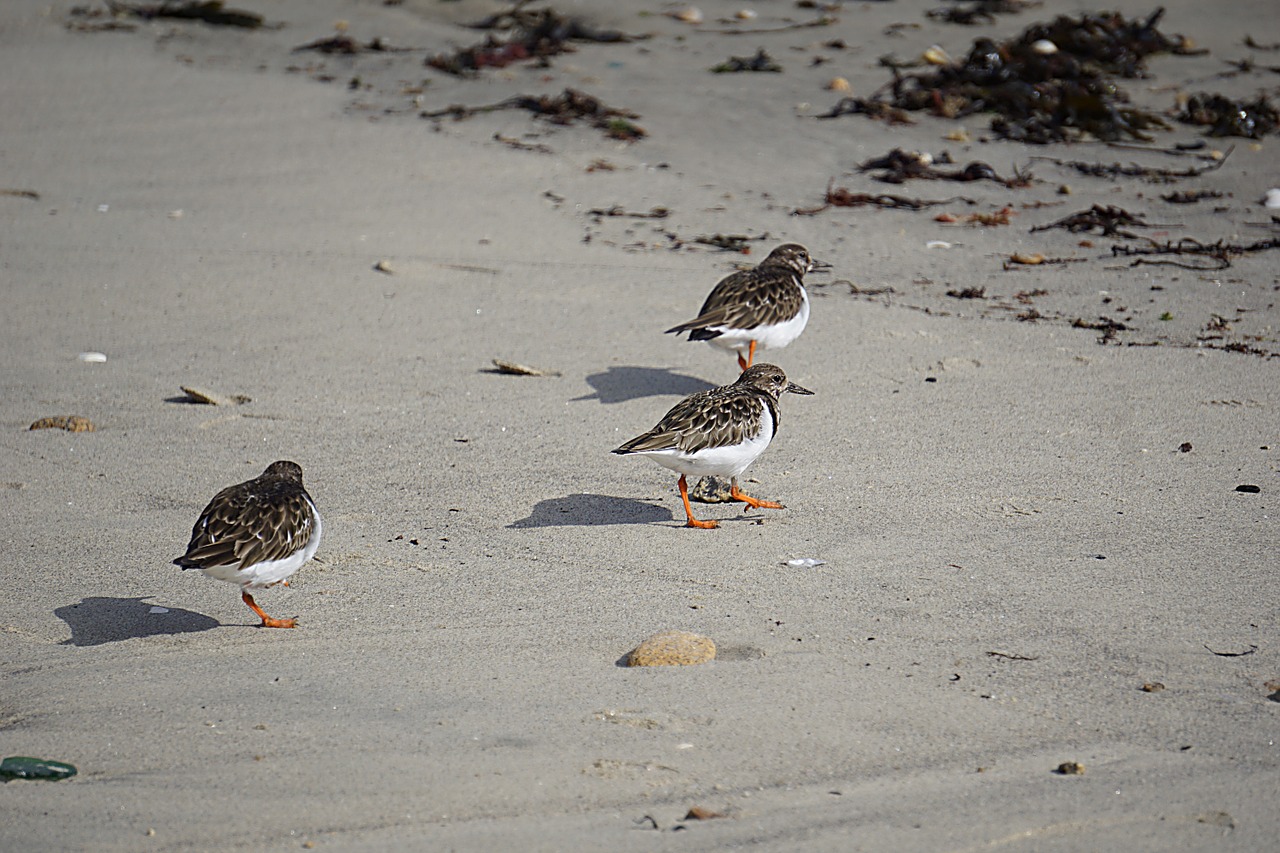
(793, 388)
(816, 265)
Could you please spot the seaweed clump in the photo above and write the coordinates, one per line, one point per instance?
(1225, 117)
(531, 34)
(1053, 83)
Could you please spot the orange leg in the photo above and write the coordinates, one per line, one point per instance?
(267, 621)
(751, 503)
(744, 363)
(688, 510)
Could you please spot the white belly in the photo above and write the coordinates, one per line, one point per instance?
(718, 461)
(272, 572)
(776, 336)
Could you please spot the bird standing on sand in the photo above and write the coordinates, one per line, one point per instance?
(719, 432)
(256, 534)
(765, 307)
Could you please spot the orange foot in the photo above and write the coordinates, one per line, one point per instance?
(267, 621)
(744, 363)
(751, 503)
(688, 510)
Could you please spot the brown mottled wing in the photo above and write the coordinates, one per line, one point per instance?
(245, 526)
(748, 299)
(717, 418)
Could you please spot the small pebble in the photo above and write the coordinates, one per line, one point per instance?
(837, 84)
(93, 357)
(805, 563)
(1273, 199)
(691, 15)
(1044, 47)
(1152, 687)
(1069, 768)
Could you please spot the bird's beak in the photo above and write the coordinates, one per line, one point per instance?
(793, 388)
(816, 265)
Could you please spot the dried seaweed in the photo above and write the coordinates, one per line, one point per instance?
(1190, 196)
(1220, 252)
(979, 11)
(869, 108)
(1106, 219)
(730, 242)
(1109, 328)
(346, 45)
(762, 61)
(1133, 170)
(617, 210)
(842, 197)
(1225, 117)
(211, 12)
(1054, 82)
(533, 34)
(511, 142)
(565, 108)
(898, 167)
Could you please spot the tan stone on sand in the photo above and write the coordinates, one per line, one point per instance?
(71, 423)
(673, 648)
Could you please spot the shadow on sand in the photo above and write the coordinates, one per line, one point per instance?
(620, 384)
(96, 620)
(582, 510)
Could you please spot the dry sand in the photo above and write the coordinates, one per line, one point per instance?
(1014, 544)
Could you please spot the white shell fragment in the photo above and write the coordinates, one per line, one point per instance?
(937, 244)
(155, 608)
(935, 55)
(93, 357)
(804, 563)
(1273, 199)
(1044, 47)
(691, 15)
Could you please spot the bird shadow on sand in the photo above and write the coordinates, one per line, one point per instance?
(97, 620)
(620, 384)
(582, 510)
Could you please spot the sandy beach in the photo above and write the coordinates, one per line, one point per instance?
(1023, 480)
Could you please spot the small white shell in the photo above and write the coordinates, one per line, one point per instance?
(691, 15)
(937, 244)
(93, 357)
(935, 55)
(746, 15)
(1273, 199)
(1044, 47)
(805, 563)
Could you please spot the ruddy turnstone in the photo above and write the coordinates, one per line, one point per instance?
(720, 432)
(256, 534)
(762, 308)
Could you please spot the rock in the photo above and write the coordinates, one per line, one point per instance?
(673, 648)
(1069, 768)
(212, 398)
(711, 490)
(24, 767)
(71, 423)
